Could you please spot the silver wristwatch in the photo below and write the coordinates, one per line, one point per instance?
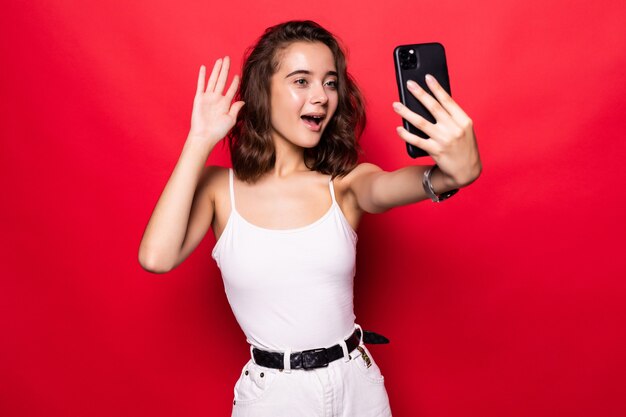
(428, 187)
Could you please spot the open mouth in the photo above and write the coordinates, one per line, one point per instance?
(313, 122)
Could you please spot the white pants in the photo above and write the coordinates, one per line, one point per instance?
(346, 387)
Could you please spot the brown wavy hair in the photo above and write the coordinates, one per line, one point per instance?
(251, 147)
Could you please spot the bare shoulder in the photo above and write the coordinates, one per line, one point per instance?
(364, 169)
(213, 181)
(212, 185)
(361, 171)
(215, 185)
(346, 189)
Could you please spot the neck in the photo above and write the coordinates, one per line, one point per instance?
(289, 158)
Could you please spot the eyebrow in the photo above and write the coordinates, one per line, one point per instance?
(309, 72)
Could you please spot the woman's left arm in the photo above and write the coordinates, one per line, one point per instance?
(452, 145)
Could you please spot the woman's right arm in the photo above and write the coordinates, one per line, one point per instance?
(185, 208)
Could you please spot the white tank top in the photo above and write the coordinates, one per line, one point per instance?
(290, 288)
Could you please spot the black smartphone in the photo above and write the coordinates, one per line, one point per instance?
(413, 62)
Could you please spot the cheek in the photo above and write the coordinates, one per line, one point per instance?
(295, 97)
(287, 100)
(286, 106)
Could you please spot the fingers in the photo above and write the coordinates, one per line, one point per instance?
(433, 106)
(221, 81)
(230, 94)
(415, 119)
(427, 145)
(201, 79)
(212, 80)
(217, 80)
(446, 101)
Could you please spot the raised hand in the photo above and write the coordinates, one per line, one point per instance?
(214, 114)
(452, 143)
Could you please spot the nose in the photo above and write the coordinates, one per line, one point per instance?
(318, 95)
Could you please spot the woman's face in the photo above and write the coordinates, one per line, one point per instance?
(304, 86)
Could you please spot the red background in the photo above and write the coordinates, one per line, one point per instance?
(507, 300)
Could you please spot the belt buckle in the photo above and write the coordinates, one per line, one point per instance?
(309, 356)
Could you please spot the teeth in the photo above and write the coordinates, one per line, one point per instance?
(316, 120)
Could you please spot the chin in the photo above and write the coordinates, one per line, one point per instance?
(310, 144)
(313, 142)
(305, 139)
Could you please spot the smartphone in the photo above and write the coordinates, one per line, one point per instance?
(413, 62)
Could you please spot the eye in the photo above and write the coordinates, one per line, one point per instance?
(332, 84)
(300, 83)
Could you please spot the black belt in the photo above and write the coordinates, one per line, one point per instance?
(315, 358)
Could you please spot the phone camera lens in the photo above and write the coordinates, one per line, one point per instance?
(408, 59)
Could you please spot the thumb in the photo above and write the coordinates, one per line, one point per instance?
(234, 109)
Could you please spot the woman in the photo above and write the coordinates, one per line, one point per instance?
(285, 216)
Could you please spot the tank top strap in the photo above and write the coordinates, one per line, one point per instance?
(232, 189)
(332, 189)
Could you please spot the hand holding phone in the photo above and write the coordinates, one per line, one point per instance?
(413, 62)
(449, 137)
